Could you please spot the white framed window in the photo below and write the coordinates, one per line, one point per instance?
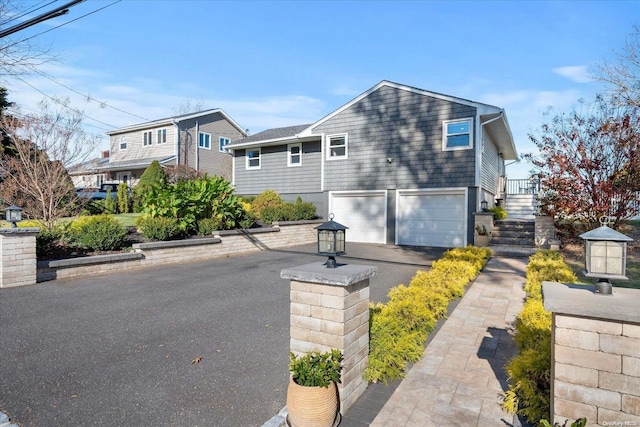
(456, 134)
(204, 140)
(337, 147)
(162, 136)
(253, 158)
(294, 155)
(147, 138)
(223, 142)
(123, 143)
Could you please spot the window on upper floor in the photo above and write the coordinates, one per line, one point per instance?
(222, 143)
(123, 143)
(147, 138)
(162, 136)
(253, 158)
(456, 134)
(204, 140)
(337, 147)
(294, 155)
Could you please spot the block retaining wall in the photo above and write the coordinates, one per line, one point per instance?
(227, 243)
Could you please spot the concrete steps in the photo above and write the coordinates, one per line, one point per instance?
(521, 206)
(514, 232)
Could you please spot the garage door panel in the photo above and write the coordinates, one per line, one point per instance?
(431, 219)
(364, 214)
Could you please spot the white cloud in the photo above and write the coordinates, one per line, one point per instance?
(577, 73)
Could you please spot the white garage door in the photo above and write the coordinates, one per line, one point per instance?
(364, 212)
(431, 218)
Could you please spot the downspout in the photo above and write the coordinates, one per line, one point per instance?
(176, 141)
(198, 146)
(479, 156)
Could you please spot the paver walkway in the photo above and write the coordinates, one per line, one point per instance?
(460, 379)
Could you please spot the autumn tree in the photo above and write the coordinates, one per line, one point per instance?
(45, 144)
(588, 163)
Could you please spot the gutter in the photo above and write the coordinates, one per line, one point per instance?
(479, 155)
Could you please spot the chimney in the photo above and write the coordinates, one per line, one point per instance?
(105, 154)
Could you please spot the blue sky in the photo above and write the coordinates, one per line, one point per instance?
(271, 64)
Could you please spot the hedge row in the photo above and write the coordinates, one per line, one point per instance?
(530, 371)
(399, 328)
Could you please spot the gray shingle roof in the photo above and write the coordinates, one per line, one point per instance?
(277, 133)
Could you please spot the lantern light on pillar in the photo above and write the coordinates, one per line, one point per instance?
(331, 240)
(484, 205)
(13, 214)
(605, 256)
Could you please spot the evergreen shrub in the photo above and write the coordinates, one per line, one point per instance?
(498, 212)
(529, 392)
(399, 328)
(98, 233)
(158, 228)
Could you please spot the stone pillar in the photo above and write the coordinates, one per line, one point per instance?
(18, 262)
(545, 231)
(330, 310)
(483, 219)
(595, 360)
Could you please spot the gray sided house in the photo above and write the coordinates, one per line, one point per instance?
(397, 165)
(197, 140)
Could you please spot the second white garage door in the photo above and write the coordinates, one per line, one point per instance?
(364, 212)
(431, 218)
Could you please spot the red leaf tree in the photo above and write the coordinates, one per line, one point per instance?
(588, 164)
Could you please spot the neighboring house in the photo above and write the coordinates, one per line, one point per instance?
(197, 140)
(397, 165)
(90, 174)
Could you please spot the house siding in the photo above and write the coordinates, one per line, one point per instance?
(212, 161)
(136, 150)
(489, 171)
(405, 127)
(274, 174)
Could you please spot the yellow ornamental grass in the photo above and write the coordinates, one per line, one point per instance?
(529, 372)
(399, 328)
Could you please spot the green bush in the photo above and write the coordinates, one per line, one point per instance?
(98, 233)
(315, 369)
(247, 221)
(285, 211)
(123, 198)
(399, 328)
(157, 228)
(206, 226)
(266, 199)
(498, 212)
(93, 207)
(529, 372)
(189, 201)
(109, 203)
(47, 240)
(153, 176)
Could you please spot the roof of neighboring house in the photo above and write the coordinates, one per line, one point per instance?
(493, 116)
(175, 119)
(89, 166)
(137, 163)
(276, 134)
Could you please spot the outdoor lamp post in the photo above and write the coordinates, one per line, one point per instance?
(605, 256)
(13, 214)
(331, 240)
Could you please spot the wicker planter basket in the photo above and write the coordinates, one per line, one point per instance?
(312, 406)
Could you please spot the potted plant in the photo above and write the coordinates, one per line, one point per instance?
(312, 395)
(482, 237)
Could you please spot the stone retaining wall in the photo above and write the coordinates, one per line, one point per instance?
(232, 242)
(17, 256)
(595, 369)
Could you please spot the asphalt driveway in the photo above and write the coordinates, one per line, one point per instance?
(118, 349)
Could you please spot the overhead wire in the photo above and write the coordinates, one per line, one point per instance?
(57, 101)
(88, 97)
(27, 12)
(61, 25)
